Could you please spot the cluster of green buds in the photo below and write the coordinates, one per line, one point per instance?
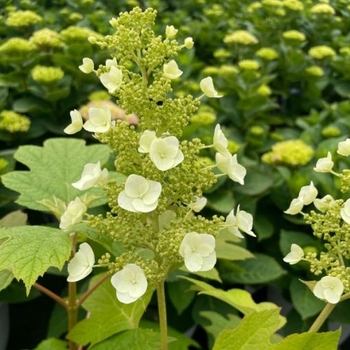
(330, 222)
(154, 212)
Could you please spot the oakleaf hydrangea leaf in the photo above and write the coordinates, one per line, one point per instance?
(52, 170)
(255, 332)
(28, 251)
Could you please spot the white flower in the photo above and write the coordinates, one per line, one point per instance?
(188, 43)
(140, 195)
(165, 153)
(145, 141)
(295, 255)
(130, 283)
(207, 86)
(111, 63)
(296, 206)
(199, 204)
(81, 264)
(87, 66)
(324, 165)
(77, 123)
(220, 142)
(307, 194)
(112, 79)
(345, 212)
(170, 32)
(242, 221)
(198, 251)
(73, 214)
(99, 120)
(344, 148)
(92, 176)
(329, 288)
(322, 204)
(171, 70)
(228, 165)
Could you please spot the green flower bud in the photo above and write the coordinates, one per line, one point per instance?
(241, 37)
(321, 52)
(23, 19)
(47, 75)
(13, 122)
(267, 53)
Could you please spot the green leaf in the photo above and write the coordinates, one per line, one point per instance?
(254, 331)
(15, 218)
(135, 339)
(108, 315)
(238, 298)
(180, 295)
(307, 341)
(287, 238)
(53, 168)
(6, 277)
(253, 271)
(255, 183)
(52, 344)
(257, 329)
(226, 248)
(219, 322)
(263, 227)
(28, 251)
(304, 300)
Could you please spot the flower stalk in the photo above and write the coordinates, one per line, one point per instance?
(162, 316)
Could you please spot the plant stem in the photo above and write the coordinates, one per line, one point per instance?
(72, 311)
(91, 289)
(162, 316)
(51, 294)
(322, 317)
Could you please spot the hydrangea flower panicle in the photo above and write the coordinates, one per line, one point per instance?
(130, 283)
(329, 288)
(139, 195)
(198, 251)
(81, 264)
(92, 176)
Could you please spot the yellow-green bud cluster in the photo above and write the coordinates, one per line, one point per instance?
(77, 34)
(294, 35)
(314, 71)
(291, 153)
(23, 19)
(323, 9)
(294, 5)
(46, 38)
(47, 75)
(13, 122)
(241, 37)
(17, 47)
(322, 52)
(267, 53)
